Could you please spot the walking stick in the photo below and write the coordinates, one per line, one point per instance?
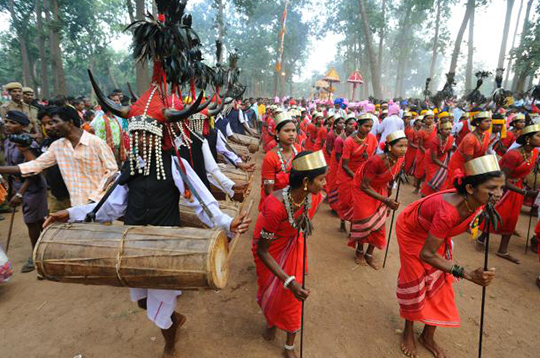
(391, 224)
(531, 212)
(486, 255)
(303, 302)
(10, 228)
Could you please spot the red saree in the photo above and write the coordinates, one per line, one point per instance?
(279, 306)
(332, 173)
(419, 170)
(471, 146)
(425, 293)
(272, 171)
(436, 175)
(369, 214)
(312, 131)
(511, 202)
(356, 154)
(410, 156)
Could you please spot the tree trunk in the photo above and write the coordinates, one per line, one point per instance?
(502, 52)
(381, 40)
(56, 51)
(141, 67)
(374, 65)
(221, 25)
(402, 48)
(459, 38)
(523, 34)
(470, 53)
(509, 67)
(44, 91)
(434, 52)
(25, 61)
(130, 10)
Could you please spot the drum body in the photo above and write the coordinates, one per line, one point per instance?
(236, 175)
(253, 145)
(133, 256)
(190, 218)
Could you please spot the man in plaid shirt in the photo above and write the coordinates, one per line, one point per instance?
(85, 161)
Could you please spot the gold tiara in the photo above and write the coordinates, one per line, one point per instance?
(530, 129)
(351, 116)
(483, 114)
(281, 117)
(518, 117)
(482, 165)
(309, 162)
(395, 136)
(364, 116)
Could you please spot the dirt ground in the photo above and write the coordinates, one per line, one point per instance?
(352, 311)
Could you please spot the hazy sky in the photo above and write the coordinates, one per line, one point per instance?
(489, 23)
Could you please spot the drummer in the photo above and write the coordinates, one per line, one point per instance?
(148, 193)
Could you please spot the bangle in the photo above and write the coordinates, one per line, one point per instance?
(288, 281)
(457, 271)
(19, 195)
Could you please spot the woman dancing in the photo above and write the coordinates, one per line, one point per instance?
(436, 160)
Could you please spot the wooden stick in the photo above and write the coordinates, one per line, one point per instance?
(486, 252)
(303, 302)
(236, 237)
(10, 228)
(391, 222)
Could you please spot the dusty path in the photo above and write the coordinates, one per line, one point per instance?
(352, 311)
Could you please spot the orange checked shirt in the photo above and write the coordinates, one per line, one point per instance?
(85, 168)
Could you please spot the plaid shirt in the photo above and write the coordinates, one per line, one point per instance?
(85, 169)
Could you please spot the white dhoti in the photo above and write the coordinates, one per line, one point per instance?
(160, 304)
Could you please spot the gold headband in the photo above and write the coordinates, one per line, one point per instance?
(309, 162)
(531, 129)
(407, 114)
(484, 114)
(351, 116)
(395, 136)
(364, 116)
(482, 165)
(429, 113)
(281, 117)
(518, 116)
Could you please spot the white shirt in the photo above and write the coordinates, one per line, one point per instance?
(116, 205)
(221, 147)
(376, 124)
(389, 125)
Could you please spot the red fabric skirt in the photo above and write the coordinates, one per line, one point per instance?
(369, 219)
(419, 171)
(410, 158)
(509, 208)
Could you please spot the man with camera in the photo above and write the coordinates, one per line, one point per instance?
(31, 192)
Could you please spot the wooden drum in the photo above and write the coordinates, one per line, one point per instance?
(253, 145)
(134, 256)
(189, 218)
(236, 175)
(239, 149)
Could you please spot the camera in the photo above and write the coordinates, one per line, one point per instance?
(23, 140)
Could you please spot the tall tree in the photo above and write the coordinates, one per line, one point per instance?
(141, 68)
(381, 36)
(220, 21)
(435, 41)
(44, 89)
(459, 37)
(20, 27)
(470, 52)
(509, 67)
(374, 65)
(520, 73)
(506, 30)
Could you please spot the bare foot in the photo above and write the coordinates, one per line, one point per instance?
(359, 258)
(269, 334)
(169, 353)
(289, 353)
(408, 346)
(342, 227)
(371, 262)
(508, 257)
(431, 346)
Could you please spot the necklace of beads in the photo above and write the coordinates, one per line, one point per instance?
(287, 200)
(443, 145)
(281, 159)
(526, 156)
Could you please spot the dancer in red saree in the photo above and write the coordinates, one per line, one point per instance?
(335, 160)
(474, 145)
(313, 130)
(357, 149)
(436, 160)
(516, 164)
(278, 246)
(424, 233)
(425, 135)
(371, 198)
(277, 162)
(412, 136)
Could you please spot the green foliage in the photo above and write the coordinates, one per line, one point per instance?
(527, 54)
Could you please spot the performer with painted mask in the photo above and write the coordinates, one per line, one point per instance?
(438, 151)
(371, 198)
(356, 150)
(277, 163)
(516, 164)
(424, 233)
(335, 160)
(474, 145)
(278, 246)
(149, 189)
